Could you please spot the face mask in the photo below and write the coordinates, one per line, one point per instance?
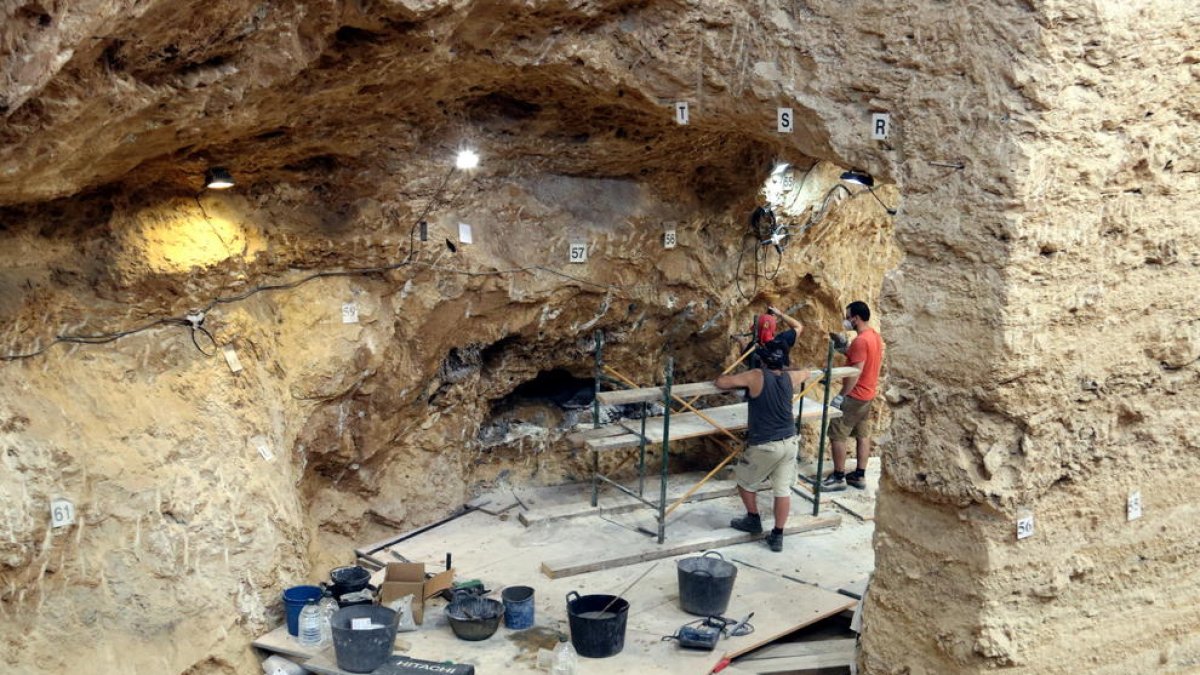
(847, 325)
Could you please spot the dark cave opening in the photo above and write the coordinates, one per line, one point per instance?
(557, 386)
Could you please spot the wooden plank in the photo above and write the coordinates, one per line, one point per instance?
(799, 663)
(579, 437)
(768, 638)
(617, 503)
(840, 648)
(855, 589)
(690, 425)
(732, 417)
(558, 569)
(692, 390)
(279, 641)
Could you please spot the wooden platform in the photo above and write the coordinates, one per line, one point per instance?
(503, 552)
(690, 425)
(693, 390)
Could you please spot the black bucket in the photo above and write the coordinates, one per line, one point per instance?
(705, 584)
(597, 634)
(361, 651)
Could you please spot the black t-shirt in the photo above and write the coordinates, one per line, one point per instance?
(783, 341)
(786, 339)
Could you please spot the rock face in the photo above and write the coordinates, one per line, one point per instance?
(201, 492)
(1041, 329)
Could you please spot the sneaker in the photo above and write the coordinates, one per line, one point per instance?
(834, 482)
(775, 541)
(857, 479)
(751, 522)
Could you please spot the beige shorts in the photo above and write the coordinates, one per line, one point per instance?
(776, 459)
(855, 420)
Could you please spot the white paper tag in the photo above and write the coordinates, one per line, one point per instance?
(349, 313)
(578, 253)
(363, 623)
(783, 120)
(681, 112)
(231, 358)
(669, 239)
(1133, 506)
(1025, 526)
(464, 233)
(881, 124)
(62, 512)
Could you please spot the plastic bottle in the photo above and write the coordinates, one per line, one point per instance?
(310, 633)
(566, 661)
(328, 607)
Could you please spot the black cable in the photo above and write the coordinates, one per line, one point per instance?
(428, 207)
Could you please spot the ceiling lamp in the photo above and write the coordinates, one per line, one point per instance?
(218, 178)
(467, 159)
(864, 179)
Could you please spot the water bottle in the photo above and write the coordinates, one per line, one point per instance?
(328, 607)
(566, 662)
(310, 634)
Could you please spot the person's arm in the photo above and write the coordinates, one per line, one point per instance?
(855, 358)
(791, 321)
(741, 380)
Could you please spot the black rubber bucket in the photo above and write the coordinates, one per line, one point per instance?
(361, 651)
(594, 633)
(705, 584)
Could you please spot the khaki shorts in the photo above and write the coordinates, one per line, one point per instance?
(776, 459)
(855, 420)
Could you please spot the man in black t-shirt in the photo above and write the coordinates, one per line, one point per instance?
(787, 339)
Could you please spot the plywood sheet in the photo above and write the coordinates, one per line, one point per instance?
(690, 425)
(650, 550)
(691, 390)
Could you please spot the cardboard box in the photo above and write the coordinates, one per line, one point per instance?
(401, 579)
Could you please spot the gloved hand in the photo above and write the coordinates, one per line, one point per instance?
(840, 343)
(837, 401)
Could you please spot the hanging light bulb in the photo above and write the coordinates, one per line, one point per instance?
(467, 159)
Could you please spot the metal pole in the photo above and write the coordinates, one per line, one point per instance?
(599, 374)
(666, 450)
(824, 420)
(642, 452)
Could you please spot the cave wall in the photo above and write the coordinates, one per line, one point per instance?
(185, 532)
(1042, 343)
(339, 120)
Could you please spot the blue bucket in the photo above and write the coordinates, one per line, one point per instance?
(294, 599)
(518, 607)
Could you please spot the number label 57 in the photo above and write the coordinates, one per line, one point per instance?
(578, 253)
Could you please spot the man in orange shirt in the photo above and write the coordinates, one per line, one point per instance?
(866, 354)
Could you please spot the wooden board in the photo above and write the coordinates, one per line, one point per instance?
(841, 649)
(648, 550)
(692, 390)
(619, 502)
(690, 425)
(279, 641)
(855, 589)
(770, 637)
(578, 437)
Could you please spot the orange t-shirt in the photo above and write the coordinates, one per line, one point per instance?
(867, 349)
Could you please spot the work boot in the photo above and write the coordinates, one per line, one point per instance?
(857, 479)
(751, 522)
(775, 541)
(834, 482)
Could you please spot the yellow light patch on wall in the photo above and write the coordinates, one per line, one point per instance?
(178, 237)
(192, 242)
